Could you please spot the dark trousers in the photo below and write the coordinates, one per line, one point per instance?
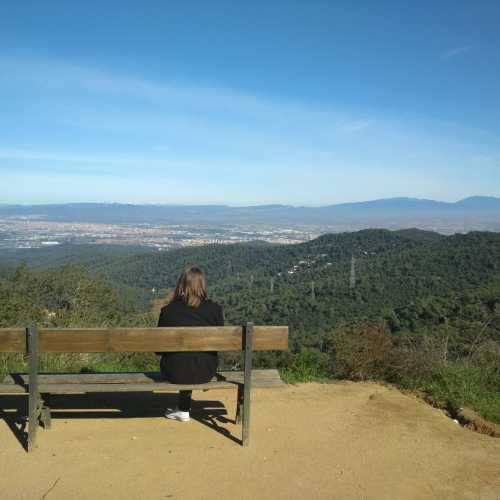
(184, 403)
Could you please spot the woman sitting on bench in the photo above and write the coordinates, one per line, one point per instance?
(189, 307)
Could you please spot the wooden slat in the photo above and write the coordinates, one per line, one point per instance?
(111, 382)
(140, 339)
(12, 389)
(13, 340)
(88, 340)
(154, 387)
(267, 375)
(270, 338)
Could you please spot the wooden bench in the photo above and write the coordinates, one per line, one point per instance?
(32, 341)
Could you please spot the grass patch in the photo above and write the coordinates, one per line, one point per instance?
(461, 384)
(308, 365)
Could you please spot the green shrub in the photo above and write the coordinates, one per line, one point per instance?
(306, 366)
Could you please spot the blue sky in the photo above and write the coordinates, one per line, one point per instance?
(303, 103)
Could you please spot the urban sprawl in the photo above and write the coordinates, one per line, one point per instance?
(25, 233)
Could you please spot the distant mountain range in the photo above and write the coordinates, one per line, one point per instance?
(379, 211)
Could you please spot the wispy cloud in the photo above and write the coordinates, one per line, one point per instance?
(175, 95)
(112, 128)
(455, 52)
(115, 159)
(356, 125)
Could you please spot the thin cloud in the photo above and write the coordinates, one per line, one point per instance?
(456, 51)
(192, 98)
(56, 75)
(254, 147)
(57, 156)
(355, 125)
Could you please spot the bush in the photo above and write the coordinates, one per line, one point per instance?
(361, 352)
(307, 366)
(418, 354)
(487, 357)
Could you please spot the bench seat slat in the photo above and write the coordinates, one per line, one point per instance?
(12, 389)
(128, 382)
(154, 387)
(127, 377)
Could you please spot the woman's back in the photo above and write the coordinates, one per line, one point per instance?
(177, 313)
(190, 367)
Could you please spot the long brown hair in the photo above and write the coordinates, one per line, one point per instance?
(191, 287)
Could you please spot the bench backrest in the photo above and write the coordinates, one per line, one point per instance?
(87, 340)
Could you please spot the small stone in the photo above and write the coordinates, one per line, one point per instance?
(134, 437)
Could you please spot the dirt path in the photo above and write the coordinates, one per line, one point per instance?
(336, 441)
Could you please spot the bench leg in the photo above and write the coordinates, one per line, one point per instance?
(35, 410)
(45, 417)
(247, 385)
(34, 402)
(239, 404)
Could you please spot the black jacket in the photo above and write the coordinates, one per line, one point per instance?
(190, 367)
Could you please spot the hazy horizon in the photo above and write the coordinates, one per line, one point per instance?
(255, 205)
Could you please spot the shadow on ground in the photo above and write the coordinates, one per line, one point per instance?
(14, 410)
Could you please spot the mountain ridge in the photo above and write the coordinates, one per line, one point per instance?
(473, 199)
(380, 211)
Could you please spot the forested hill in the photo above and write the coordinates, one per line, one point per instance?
(261, 260)
(79, 254)
(408, 278)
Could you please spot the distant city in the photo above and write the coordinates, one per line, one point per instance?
(26, 233)
(164, 227)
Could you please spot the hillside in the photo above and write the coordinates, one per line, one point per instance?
(310, 281)
(308, 285)
(58, 255)
(226, 261)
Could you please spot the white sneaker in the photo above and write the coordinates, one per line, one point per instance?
(182, 416)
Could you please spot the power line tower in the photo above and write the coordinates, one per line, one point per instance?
(250, 283)
(313, 293)
(352, 278)
(271, 287)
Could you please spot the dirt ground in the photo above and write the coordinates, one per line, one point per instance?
(311, 441)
